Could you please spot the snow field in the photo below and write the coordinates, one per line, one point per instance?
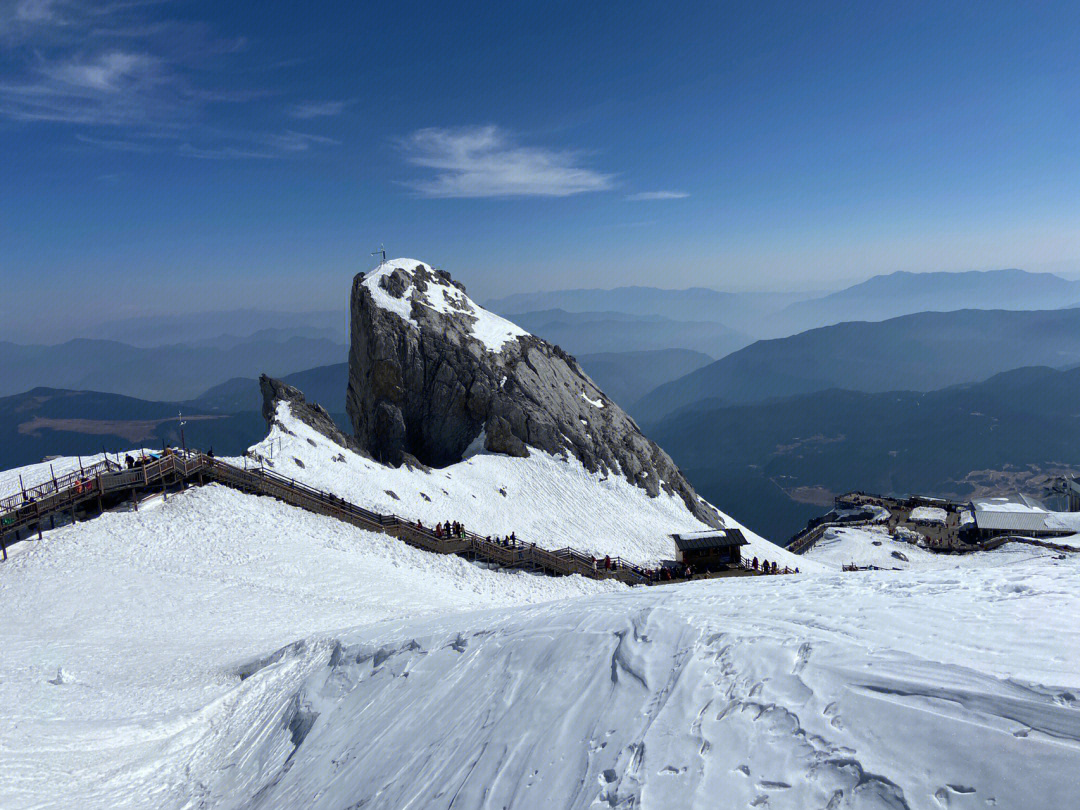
(122, 635)
(139, 668)
(869, 690)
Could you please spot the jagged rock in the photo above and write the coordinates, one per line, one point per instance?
(310, 413)
(434, 377)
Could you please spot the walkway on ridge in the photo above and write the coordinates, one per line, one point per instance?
(106, 484)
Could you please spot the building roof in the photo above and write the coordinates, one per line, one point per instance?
(713, 538)
(1017, 502)
(1011, 521)
(929, 514)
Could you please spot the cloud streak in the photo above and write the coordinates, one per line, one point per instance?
(217, 145)
(317, 109)
(146, 85)
(658, 195)
(485, 161)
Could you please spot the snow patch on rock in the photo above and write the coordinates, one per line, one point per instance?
(443, 297)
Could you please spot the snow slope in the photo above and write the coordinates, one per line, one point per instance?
(856, 690)
(870, 690)
(846, 545)
(487, 327)
(547, 500)
(225, 651)
(121, 636)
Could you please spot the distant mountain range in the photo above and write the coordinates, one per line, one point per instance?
(324, 385)
(740, 312)
(891, 296)
(921, 352)
(193, 328)
(174, 372)
(997, 435)
(582, 333)
(771, 315)
(628, 376)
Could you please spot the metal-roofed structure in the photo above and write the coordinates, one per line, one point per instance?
(1018, 515)
(710, 550)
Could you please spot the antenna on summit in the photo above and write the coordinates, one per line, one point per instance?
(380, 252)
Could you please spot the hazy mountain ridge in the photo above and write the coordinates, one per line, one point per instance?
(583, 333)
(920, 352)
(173, 372)
(941, 443)
(49, 421)
(741, 312)
(903, 293)
(194, 327)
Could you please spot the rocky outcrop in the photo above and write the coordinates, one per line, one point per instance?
(434, 378)
(311, 414)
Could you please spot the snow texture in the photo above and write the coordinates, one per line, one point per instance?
(491, 330)
(186, 656)
(929, 514)
(123, 637)
(220, 650)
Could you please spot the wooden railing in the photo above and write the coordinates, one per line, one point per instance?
(108, 478)
(510, 554)
(55, 485)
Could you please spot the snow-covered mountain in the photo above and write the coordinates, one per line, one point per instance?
(553, 501)
(224, 650)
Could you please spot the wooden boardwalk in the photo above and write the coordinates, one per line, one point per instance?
(88, 492)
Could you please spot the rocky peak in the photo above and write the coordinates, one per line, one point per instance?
(310, 413)
(434, 378)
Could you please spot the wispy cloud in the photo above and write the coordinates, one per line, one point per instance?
(34, 11)
(214, 145)
(486, 162)
(135, 81)
(317, 109)
(658, 195)
(263, 146)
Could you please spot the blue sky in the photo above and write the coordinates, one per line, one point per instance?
(194, 156)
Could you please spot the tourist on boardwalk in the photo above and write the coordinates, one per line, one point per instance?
(754, 563)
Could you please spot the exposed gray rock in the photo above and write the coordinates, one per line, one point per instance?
(429, 388)
(310, 413)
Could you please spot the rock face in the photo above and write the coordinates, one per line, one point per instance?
(310, 413)
(434, 378)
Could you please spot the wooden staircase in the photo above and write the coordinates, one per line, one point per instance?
(92, 490)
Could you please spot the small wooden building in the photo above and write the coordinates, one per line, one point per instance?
(711, 550)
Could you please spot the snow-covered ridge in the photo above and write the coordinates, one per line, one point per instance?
(548, 500)
(442, 297)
